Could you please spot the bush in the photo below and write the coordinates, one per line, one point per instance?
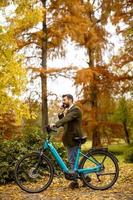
(33, 138)
(12, 150)
(128, 155)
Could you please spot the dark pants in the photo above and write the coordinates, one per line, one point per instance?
(72, 153)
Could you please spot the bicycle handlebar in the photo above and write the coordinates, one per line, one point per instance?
(50, 129)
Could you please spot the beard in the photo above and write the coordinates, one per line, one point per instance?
(65, 105)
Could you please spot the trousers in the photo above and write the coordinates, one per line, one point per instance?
(72, 153)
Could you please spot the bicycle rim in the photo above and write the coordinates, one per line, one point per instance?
(107, 176)
(33, 174)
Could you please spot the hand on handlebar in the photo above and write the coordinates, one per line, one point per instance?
(51, 128)
(54, 128)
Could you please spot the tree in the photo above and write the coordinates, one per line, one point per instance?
(12, 84)
(41, 26)
(93, 79)
(12, 72)
(123, 114)
(100, 79)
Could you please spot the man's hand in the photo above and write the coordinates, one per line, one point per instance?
(53, 126)
(61, 110)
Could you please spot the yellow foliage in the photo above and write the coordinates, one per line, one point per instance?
(12, 78)
(3, 3)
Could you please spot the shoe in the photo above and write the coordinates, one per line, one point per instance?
(74, 184)
(88, 179)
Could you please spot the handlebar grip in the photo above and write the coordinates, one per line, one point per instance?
(50, 129)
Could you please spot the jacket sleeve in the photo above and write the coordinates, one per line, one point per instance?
(75, 113)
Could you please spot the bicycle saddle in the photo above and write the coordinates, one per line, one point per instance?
(81, 140)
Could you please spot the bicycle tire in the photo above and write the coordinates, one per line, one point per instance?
(114, 160)
(45, 161)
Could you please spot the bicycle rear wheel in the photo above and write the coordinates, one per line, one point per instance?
(34, 173)
(109, 173)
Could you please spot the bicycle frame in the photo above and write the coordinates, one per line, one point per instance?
(48, 145)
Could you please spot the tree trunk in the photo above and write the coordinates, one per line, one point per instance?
(126, 133)
(44, 76)
(96, 141)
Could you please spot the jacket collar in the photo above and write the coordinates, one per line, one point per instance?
(71, 107)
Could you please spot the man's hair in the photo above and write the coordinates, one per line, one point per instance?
(69, 96)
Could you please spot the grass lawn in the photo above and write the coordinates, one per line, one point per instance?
(117, 149)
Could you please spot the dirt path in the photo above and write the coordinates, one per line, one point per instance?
(122, 190)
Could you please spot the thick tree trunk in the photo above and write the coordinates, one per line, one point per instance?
(96, 141)
(44, 76)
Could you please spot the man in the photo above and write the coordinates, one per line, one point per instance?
(70, 117)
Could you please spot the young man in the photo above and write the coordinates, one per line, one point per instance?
(70, 116)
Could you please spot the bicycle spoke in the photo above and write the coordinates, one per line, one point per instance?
(32, 174)
(94, 160)
(106, 176)
(102, 174)
(104, 159)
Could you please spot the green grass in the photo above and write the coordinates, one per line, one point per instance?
(120, 158)
(118, 149)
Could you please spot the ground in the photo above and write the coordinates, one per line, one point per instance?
(59, 190)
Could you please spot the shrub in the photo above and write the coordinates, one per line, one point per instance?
(14, 149)
(128, 155)
(10, 152)
(32, 136)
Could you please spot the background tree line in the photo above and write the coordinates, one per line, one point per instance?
(33, 32)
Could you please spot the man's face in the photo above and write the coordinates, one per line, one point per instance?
(66, 101)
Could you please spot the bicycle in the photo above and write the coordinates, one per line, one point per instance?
(35, 171)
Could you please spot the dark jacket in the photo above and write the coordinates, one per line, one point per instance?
(72, 123)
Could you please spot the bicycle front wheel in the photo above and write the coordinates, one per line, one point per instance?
(107, 176)
(34, 173)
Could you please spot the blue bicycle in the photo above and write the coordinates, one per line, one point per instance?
(35, 171)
